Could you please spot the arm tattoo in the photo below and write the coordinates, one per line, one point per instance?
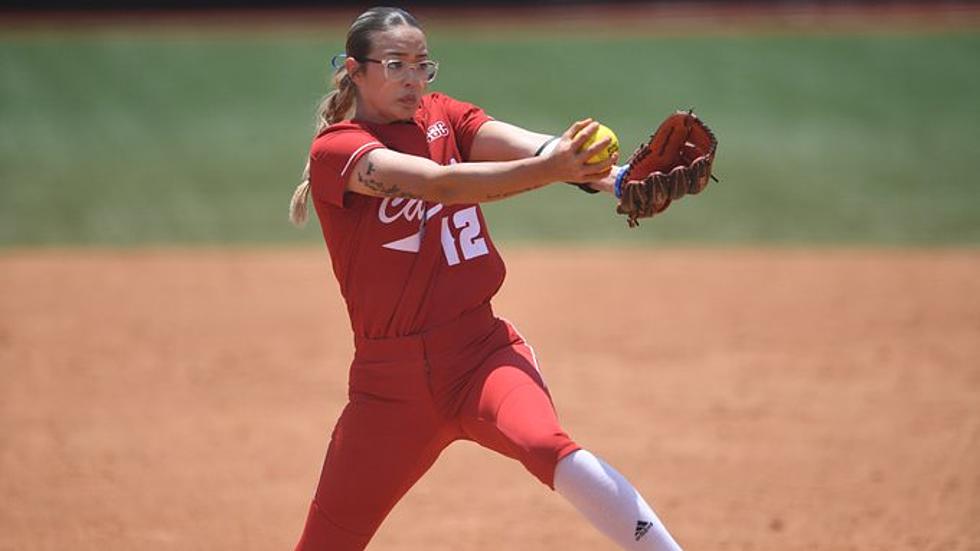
(380, 187)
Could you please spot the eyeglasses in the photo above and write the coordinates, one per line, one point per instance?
(396, 69)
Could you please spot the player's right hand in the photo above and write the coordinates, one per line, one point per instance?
(568, 159)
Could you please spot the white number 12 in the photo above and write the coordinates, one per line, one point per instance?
(471, 245)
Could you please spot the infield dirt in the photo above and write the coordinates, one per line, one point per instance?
(761, 399)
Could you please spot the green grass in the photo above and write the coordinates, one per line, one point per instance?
(122, 139)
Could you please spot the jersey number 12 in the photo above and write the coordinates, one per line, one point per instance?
(470, 244)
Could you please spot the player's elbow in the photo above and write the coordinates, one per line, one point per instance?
(439, 186)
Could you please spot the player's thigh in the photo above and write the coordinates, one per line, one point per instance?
(508, 409)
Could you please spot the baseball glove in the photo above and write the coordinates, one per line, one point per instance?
(675, 162)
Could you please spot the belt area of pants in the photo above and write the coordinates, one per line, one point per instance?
(444, 339)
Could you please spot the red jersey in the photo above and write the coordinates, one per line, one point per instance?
(404, 265)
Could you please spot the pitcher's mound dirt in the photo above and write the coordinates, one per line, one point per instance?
(761, 400)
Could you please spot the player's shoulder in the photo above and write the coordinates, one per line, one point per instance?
(438, 104)
(342, 128)
(433, 98)
(341, 135)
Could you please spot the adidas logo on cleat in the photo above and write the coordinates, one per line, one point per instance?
(642, 527)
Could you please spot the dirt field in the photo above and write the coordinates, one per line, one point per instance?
(763, 400)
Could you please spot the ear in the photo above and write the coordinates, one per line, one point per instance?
(353, 68)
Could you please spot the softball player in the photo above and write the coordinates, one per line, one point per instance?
(396, 176)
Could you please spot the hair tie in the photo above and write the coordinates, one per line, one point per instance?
(337, 61)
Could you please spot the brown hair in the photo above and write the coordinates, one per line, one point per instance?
(340, 102)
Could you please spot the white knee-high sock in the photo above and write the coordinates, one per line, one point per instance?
(611, 503)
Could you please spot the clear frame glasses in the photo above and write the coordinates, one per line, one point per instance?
(396, 69)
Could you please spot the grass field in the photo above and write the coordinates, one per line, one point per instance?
(135, 138)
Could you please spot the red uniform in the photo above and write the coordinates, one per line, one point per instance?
(432, 363)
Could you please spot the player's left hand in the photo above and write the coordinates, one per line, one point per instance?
(675, 162)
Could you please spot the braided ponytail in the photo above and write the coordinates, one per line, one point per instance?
(339, 103)
(334, 107)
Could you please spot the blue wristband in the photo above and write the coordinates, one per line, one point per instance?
(619, 181)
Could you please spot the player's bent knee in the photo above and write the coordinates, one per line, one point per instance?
(541, 456)
(526, 418)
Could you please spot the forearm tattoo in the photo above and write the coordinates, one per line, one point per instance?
(377, 185)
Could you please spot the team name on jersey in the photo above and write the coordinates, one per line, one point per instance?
(437, 130)
(393, 208)
(410, 210)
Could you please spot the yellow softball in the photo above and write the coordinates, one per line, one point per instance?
(613, 146)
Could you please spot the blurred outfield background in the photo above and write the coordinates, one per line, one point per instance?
(131, 133)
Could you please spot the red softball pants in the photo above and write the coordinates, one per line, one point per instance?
(410, 397)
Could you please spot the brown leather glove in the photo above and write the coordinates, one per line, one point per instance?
(675, 162)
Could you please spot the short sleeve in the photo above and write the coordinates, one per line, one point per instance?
(466, 119)
(332, 157)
